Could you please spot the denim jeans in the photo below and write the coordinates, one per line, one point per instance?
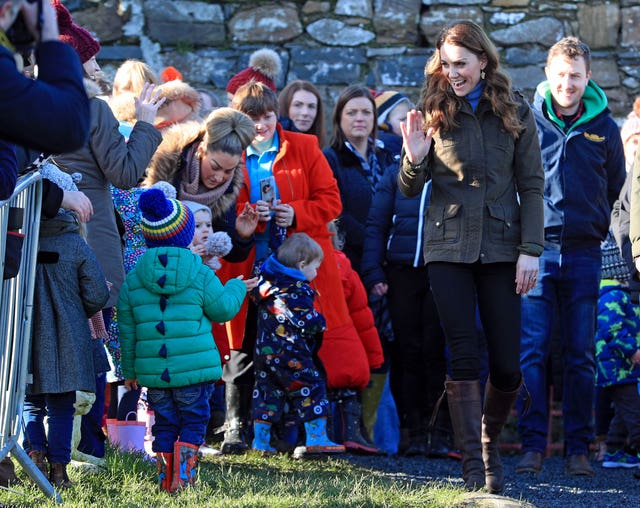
(567, 288)
(56, 444)
(180, 414)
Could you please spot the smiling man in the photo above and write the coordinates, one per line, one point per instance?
(584, 170)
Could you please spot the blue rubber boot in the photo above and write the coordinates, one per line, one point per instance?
(262, 437)
(317, 440)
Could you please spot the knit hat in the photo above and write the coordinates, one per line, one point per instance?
(196, 207)
(385, 102)
(80, 39)
(613, 265)
(264, 66)
(631, 125)
(66, 181)
(165, 222)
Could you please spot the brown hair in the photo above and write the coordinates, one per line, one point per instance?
(570, 47)
(255, 99)
(284, 102)
(438, 101)
(351, 92)
(228, 130)
(297, 248)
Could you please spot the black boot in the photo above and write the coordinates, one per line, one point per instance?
(465, 409)
(417, 433)
(497, 405)
(234, 435)
(351, 413)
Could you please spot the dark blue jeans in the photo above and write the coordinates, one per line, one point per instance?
(56, 444)
(568, 282)
(180, 414)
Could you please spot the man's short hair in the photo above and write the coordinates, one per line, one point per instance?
(570, 47)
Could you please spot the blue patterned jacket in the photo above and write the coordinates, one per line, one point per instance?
(617, 335)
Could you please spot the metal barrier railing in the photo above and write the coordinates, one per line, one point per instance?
(16, 309)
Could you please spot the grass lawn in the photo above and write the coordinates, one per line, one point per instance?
(239, 481)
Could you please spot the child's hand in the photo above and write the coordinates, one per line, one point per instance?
(201, 250)
(131, 384)
(635, 359)
(247, 221)
(249, 283)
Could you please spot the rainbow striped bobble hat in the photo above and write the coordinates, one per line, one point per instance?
(165, 222)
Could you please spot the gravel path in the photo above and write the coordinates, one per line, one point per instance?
(551, 488)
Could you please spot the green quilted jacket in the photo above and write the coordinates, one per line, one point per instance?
(165, 310)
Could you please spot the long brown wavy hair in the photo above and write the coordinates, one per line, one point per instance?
(437, 99)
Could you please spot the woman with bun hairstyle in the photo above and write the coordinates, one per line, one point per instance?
(203, 160)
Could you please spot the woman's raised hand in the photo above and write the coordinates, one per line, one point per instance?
(415, 141)
(246, 221)
(148, 103)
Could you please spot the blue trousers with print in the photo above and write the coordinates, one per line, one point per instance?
(567, 285)
(285, 373)
(181, 414)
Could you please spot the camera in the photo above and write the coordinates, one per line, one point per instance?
(20, 35)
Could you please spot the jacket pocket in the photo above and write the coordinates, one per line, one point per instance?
(504, 223)
(443, 223)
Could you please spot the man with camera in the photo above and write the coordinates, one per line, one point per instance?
(50, 113)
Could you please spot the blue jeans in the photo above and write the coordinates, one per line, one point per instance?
(56, 445)
(567, 287)
(180, 414)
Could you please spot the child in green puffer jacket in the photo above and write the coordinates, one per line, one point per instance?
(166, 307)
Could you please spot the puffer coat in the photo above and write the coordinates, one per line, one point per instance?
(165, 310)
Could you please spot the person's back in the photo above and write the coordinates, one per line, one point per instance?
(165, 311)
(50, 113)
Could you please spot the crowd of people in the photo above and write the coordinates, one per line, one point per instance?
(265, 283)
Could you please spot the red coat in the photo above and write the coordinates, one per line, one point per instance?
(361, 315)
(305, 181)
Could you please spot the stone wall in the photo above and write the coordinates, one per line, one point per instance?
(382, 43)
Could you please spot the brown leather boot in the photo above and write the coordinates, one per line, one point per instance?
(465, 410)
(58, 476)
(7, 473)
(40, 460)
(497, 405)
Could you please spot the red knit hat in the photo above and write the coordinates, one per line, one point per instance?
(264, 66)
(80, 39)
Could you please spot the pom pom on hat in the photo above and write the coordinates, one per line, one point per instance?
(170, 74)
(264, 66)
(613, 265)
(169, 190)
(65, 181)
(218, 244)
(631, 125)
(165, 222)
(385, 102)
(77, 37)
